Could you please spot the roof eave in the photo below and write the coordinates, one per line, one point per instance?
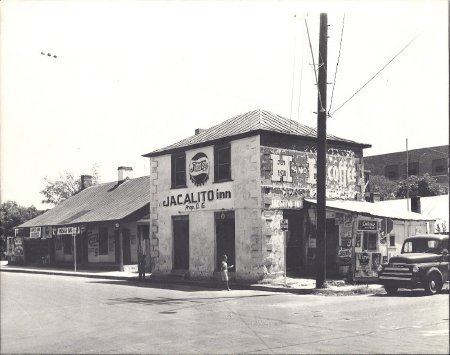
(249, 134)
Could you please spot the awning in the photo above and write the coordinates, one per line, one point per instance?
(372, 209)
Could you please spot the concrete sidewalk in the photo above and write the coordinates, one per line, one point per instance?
(293, 285)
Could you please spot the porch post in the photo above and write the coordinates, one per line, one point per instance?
(121, 248)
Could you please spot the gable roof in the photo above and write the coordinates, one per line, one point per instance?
(104, 202)
(250, 123)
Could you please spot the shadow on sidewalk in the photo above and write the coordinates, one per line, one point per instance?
(408, 293)
(188, 302)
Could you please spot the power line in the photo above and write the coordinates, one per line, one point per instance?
(293, 74)
(314, 64)
(378, 72)
(337, 64)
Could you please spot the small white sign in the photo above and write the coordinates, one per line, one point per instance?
(284, 224)
(35, 232)
(67, 230)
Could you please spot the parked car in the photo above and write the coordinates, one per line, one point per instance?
(423, 263)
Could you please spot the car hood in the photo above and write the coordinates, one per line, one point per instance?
(412, 258)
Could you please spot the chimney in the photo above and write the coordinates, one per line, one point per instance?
(124, 172)
(199, 130)
(372, 196)
(86, 181)
(415, 204)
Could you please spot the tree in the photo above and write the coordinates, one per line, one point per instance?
(385, 187)
(56, 191)
(421, 186)
(12, 215)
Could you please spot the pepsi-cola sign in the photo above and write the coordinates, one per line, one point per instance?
(199, 169)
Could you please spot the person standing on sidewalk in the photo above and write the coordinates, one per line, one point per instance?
(224, 271)
(141, 265)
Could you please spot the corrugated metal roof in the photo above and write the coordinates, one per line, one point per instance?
(435, 207)
(103, 202)
(374, 209)
(249, 122)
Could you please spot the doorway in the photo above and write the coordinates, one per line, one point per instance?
(126, 246)
(332, 231)
(180, 242)
(225, 238)
(294, 241)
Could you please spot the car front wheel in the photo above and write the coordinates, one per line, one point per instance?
(433, 284)
(391, 290)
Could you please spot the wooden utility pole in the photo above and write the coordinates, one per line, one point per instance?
(321, 152)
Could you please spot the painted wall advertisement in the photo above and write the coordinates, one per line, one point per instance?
(285, 168)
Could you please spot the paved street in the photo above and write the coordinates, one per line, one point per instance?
(61, 314)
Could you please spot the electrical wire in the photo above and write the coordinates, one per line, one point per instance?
(337, 64)
(378, 72)
(293, 77)
(314, 64)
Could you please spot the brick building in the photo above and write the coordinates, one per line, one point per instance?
(430, 160)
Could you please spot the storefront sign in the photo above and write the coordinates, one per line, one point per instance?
(67, 230)
(285, 204)
(35, 232)
(368, 225)
(195, 200)
(199, 169)
(22, 232)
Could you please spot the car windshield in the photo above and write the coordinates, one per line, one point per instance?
(421, 245)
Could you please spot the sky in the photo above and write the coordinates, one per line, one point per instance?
(131, 77)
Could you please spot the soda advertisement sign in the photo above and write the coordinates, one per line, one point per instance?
(199, 169)
(367, 225)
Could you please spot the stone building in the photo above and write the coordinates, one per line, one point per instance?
(226, 189)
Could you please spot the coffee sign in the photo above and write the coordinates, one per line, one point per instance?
(199, 169)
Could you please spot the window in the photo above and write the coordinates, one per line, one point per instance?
(179, 170)
(420, 245)
(67, 244)
(391, 172)
(439, 167)
(222, 163)
(369, 241)
(392, 240)
(103, 241)
(413, 169)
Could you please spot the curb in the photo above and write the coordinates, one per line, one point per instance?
(63, 273)
(210, 285)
